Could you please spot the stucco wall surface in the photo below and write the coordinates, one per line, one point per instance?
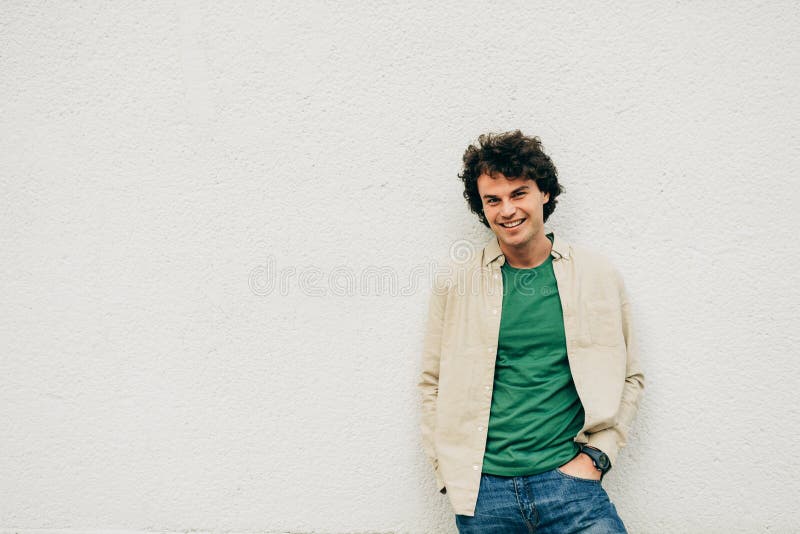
(219, 221)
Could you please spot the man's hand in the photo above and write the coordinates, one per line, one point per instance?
(581, 466)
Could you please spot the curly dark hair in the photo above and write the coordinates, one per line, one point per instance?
(514, 155)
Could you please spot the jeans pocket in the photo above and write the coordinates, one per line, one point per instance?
(572, 477)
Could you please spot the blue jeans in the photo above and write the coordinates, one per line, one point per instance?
(548, 503)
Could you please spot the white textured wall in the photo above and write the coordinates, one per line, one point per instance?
(155, 155)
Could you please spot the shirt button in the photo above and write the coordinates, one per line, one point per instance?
(487, 388)
(494, 312)
(489, 349)
(496, 277)
(480, 429)
(474, 467)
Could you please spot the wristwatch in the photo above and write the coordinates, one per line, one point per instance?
(599, 458)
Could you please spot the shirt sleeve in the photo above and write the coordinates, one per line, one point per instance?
(611, 440)
(428, 385)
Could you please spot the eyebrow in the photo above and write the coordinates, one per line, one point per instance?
(517, 190)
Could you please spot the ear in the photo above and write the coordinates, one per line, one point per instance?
(545, 198)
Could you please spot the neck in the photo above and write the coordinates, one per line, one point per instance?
(530, 255)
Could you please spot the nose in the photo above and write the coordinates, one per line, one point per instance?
(507, 209)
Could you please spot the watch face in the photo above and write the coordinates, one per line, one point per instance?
(602, 461)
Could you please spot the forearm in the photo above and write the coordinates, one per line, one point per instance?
(428, 384)
(611, 440)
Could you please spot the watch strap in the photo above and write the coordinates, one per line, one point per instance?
(599, 458)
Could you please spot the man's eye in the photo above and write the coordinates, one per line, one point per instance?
(520, 194)
(491, 201)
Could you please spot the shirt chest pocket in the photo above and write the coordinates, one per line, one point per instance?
(605, 323)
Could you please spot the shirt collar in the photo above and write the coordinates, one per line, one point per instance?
(492, 252)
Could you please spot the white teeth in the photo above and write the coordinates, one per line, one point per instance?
(512, 224)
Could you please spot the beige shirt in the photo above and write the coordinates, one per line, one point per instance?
(460, 348)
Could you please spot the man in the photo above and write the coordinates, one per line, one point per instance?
(530, 375)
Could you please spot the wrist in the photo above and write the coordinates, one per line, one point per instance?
(599, 459)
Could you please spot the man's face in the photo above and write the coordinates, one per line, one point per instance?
(513, 208)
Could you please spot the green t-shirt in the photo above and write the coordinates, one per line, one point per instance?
(536, 412)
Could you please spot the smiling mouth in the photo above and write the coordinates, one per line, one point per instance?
(512, 224)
